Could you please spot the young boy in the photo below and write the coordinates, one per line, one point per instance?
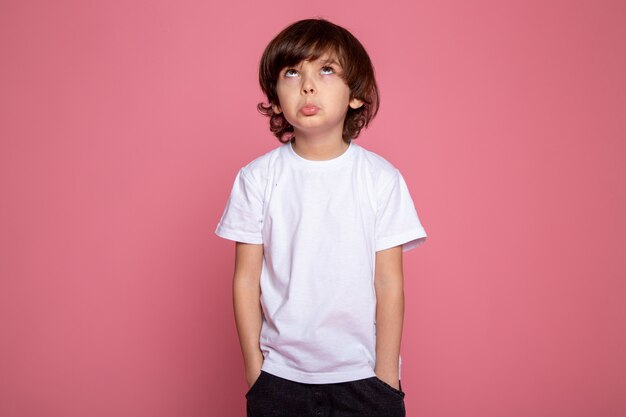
(320, 225)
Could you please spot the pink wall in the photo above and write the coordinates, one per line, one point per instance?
(123, 123)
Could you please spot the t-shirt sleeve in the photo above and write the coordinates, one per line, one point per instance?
(242, 220)
(397, 222)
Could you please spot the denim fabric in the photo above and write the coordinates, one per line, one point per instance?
(273, 396)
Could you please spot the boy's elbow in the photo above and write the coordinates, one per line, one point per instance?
(389, 284)
(248, 264)
(244, 282)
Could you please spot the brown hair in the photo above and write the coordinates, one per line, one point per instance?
(308, 40)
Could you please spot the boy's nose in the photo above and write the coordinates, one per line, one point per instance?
(308, 85)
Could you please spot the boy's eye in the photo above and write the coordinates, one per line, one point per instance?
(325, 70)
(290, 72)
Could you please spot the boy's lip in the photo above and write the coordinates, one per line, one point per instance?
(309, 109)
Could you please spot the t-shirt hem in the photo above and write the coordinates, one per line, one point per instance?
(317, 378)
(237, 236)
(408, 240)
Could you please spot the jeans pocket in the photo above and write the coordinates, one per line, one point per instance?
(255, 384)
(389, 388)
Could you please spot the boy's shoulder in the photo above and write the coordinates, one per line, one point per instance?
(382, 170)
(376, 161)
(257, 168)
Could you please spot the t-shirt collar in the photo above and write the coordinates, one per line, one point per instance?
(309, 163)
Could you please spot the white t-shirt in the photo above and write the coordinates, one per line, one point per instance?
(321, 223)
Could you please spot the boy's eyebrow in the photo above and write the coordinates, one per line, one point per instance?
(330, 61)
(334, 63)
(326, 61)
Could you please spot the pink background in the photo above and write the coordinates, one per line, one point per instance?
(123, 124)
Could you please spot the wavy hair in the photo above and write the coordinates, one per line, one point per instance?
(308, 40)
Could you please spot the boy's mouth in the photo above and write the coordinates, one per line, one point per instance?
(309, 110)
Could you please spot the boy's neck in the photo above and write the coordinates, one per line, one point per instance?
(319, 149)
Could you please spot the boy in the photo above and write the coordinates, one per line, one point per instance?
(320, 225)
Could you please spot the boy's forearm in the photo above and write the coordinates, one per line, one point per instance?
(389, 319)
(248, 318)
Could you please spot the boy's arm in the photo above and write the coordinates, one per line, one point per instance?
(388, 282)
(247, 306)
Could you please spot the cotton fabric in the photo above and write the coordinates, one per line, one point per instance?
(321, 224)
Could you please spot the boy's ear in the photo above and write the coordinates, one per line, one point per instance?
(355, 103)
(276, 109)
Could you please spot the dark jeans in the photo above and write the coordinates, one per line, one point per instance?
(274, 396)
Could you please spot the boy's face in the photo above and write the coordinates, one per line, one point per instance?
(313, 97)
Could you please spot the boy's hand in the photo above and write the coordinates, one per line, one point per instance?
(253, 367)
(390, 378)
(252, 375)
